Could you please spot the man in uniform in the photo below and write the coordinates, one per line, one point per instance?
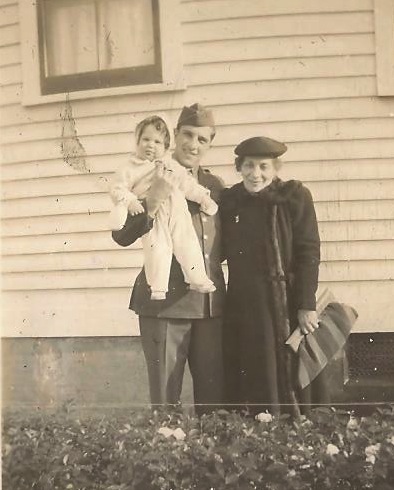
(186, 326)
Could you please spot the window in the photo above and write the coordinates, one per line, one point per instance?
(89, 48)
(384, 42)
(87, 44)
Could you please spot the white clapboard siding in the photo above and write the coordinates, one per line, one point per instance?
(212, 95)
(316, 128)
(283, 69)
(344, 211)
(132, 257)
(361, 230)
(271, 48)
(319, 132)
(9, 14)
(232, 114)
(307, 171)
(302, 72)
(231, 9)
(9, 35)
(373, 270)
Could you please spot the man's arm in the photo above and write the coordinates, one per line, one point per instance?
(134, 228)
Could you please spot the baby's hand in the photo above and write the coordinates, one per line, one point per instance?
(209, 206)
(135, 207)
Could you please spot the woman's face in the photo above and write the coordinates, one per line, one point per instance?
(257, 173)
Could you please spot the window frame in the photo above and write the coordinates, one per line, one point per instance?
(384, 46)
(170, 60)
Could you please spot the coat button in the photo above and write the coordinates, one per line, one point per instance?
(206, 256)
(204, 219)
(205, 237)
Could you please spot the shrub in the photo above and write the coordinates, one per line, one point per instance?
(167, 451)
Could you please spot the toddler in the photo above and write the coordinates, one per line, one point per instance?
(172, 231)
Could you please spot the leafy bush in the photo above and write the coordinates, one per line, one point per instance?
(144, 451)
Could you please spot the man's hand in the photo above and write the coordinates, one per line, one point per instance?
(307, 321)
(160, 189)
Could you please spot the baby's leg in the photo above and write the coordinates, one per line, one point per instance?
(157, 245)
(118, 216)
(186, 246)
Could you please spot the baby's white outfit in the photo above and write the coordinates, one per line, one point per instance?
(172, 231)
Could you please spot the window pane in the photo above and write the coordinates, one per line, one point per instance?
(70, 37)
(126, 37)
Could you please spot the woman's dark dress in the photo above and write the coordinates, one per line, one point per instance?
(272, 246)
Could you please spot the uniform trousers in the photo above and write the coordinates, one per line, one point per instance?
(168, 344)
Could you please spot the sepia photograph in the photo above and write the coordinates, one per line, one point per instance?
(197, 244)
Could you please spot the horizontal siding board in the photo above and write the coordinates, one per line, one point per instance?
(9, 14)
(9, 35)
(321, 171)
(227, 9)
(357, 131)
(96, 221)
(101, 240)
(211, 95)
(71, 242)
(133, 257)
(281, 69)
(368, 250)
(97, 278)
(86, 183)
(122, 258)
(271, 26)
(10, 55)
(283, 48)
(10, 95)
(236, 114)
(315, 151)
(306, 171)
(10, 74)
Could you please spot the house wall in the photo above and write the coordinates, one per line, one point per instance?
(302, 72)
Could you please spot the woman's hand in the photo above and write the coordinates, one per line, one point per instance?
(307, 321)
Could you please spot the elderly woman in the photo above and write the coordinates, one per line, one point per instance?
(272, 246)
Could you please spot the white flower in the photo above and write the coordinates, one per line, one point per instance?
(165, 431)
(371, 452)
(179, 434)
(264, 417)
(332, 449)
(352, 424)
(291, 473)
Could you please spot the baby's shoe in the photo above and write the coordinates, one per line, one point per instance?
(209, 206)
(208, 287)
(158, 295)
(117, 217)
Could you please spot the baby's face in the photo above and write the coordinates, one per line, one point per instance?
(151, 144)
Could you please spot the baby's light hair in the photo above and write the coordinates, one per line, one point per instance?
(159, 124)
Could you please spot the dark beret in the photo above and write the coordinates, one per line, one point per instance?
(196, 115)
(260, 146)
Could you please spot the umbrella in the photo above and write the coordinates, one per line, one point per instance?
(317, 348)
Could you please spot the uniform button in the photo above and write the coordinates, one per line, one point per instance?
(205, 237)
(206, 256)
(204, 219)
(240, 252)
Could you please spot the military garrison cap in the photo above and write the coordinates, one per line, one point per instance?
(260, 146)
(196, 115)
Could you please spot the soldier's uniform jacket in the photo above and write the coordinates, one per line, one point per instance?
(180, 301)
